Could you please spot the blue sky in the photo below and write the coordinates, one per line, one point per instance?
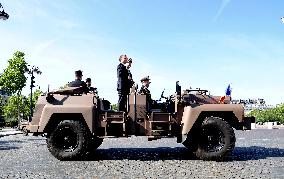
(201, 43)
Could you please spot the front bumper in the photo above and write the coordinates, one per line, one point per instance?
(28, 128)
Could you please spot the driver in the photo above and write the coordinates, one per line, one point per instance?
(144, 90)
(78, 81)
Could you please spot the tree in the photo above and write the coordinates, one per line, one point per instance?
(1, 113)
(13, 80)
(10, 110)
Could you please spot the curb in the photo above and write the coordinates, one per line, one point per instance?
(8, 132)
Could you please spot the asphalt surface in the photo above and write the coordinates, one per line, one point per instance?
(258, 154)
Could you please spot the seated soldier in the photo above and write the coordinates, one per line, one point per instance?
(78, 82)
(144, 90)
(89, 86)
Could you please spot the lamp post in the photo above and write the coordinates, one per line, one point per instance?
(32, 71)
(3, 15)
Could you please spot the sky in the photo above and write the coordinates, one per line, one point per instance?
(205, 44)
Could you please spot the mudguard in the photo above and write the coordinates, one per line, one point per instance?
(191, 113)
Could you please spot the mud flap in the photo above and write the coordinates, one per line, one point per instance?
(181, 138)
(247, 122)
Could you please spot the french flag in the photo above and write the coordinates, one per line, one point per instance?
(228, 93)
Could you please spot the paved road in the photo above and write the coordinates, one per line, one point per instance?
(258, 154)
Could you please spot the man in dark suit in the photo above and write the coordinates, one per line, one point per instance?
(122, 83)
(78, 81)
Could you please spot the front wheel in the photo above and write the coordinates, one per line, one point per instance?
(69, 140)
(214, 140)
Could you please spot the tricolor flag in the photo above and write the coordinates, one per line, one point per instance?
(228, 93)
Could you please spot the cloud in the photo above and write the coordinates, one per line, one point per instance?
(221, 9)
(42, 46)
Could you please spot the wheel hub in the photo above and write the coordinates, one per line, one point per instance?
(212, 139)
(66, 139)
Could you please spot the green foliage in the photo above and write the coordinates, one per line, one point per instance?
(10, 110)
(1, 104)
(11, 123)
(63, 87)
(114, 107)
(13, 79)
(269, 115)
(35, 96)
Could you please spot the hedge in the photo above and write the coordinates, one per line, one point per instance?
(269, 115)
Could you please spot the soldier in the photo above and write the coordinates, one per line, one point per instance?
(144, 90)
(78, 80)
(130, 79)
(89, 86)
(122, 83)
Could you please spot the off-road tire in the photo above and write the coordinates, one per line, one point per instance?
(214, 140)
(70, 140)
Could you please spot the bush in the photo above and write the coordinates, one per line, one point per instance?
(114, 107)
(11, 123)
(269, 115)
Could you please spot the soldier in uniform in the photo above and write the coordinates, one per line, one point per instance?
(89, 86)
(122, 83)
(144, 90)
(78, 81)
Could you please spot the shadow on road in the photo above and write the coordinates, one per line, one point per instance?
(143, 154)
(10, 145)
(254, 153)
(180, 153)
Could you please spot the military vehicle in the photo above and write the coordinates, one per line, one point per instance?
(76, 123)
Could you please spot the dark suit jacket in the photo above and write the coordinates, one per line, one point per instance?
(122, 78)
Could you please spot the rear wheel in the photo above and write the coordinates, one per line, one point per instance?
(214, 140)
(69, 140)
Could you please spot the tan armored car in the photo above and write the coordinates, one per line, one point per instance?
(76, 123)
